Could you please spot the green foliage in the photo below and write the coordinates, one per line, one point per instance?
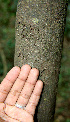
(7, 31)
(68, 120)
(7, 9)
(67, 28)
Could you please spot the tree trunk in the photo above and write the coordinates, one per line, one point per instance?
(39, 29)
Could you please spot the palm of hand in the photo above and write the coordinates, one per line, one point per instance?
(14, 114)
(21, 87)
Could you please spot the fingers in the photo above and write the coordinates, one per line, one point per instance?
(34, 99)
(18, 85)
(23, 86)
(28, 87)
(8, 81)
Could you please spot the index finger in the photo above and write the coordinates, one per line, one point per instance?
(8, 82)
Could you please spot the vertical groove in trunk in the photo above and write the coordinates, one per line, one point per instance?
(39, 37)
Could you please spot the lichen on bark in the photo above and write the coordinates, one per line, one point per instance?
(39, 37)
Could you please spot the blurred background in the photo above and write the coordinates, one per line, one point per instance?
(7, 48)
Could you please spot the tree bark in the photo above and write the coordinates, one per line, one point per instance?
(39, 34)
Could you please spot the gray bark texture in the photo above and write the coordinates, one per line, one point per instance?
(39, 31)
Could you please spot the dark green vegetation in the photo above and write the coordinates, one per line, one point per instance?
(7, 47)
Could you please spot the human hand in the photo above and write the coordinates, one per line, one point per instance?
(21, 86)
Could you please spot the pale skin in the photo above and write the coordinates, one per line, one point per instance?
(21, 86)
